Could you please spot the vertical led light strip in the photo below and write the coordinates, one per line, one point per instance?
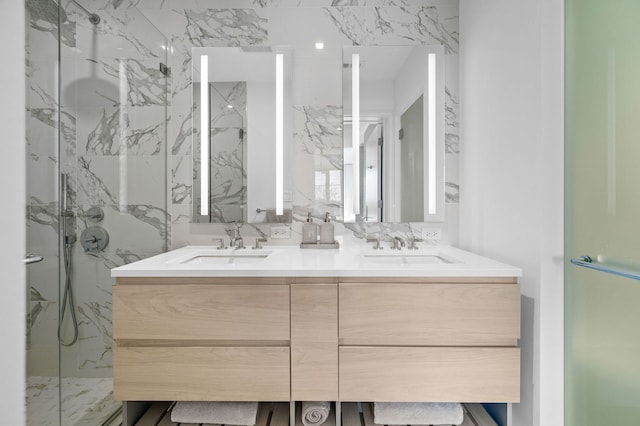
(279, 133)
(431, 88)
(355, 129)
(204, 135)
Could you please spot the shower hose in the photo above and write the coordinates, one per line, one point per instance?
(68, 290)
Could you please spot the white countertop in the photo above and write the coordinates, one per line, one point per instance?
(291, 261)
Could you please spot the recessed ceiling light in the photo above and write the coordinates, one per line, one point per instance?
(319, 45)
(230, 106)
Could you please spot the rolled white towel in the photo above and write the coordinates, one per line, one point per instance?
(315, 413)
(418, 413)
(229, 413)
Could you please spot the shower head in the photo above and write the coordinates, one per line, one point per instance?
(93, 18)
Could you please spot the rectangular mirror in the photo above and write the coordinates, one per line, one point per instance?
(394, 134)
(242, 132)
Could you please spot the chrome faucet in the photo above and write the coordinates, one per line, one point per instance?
(220, 243)
(237, 240)
(258, 241)
(411, 244)
(398, 243)
(375, 240)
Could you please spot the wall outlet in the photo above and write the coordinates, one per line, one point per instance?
(279, 231)
(431, 234)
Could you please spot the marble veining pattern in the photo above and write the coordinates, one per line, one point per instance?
(351, 22)
(414, 23)
(318, 132)
(153, 216)
(225, 27)
(318, 151)
(43, 17)
(452, 192)
(84, 401)
(181, 179)
(92, 187)
(356, 21)
(182, 143)
(96, 345)
(117, 134)
(145, 84)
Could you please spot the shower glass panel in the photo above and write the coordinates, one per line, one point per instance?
(602, 343)
(96, 122)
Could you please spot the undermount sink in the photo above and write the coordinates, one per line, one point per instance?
(407, 257)
(223, 257)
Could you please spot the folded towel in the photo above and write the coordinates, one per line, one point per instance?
(315, 413)
(228, 413)
(418, 413)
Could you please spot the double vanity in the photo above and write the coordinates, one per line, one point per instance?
(282, 324)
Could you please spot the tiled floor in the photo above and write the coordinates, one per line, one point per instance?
(85, 402)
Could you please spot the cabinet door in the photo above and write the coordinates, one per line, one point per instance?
(398, 374)
(204, 312)
(460, 314)
(201, 373)
(314, 342)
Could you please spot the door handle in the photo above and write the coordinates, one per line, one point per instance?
(32, 258)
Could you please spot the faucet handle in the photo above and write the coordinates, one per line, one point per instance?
(220, 243)
(398, 243)
(375, 240)
(258, 241)
(411, 244)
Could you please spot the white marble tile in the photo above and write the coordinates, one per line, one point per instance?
(95, 346)
(317, 153)
(352, 23)
(42, 316)
(42, 227)
(131, 131)
(181, 179)
(225, 27)
(84, 401)
(302, 27)
(414, 23)
(181, 213)
(108, 180)
(182, 133)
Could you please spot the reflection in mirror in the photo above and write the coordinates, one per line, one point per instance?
(242, 130)
(393, 133)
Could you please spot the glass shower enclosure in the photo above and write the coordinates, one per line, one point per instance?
(96, 192)
(602, 291)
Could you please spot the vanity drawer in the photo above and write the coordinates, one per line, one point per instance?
(431, 314)
(442, 374)
(207, 312)
(201, 373)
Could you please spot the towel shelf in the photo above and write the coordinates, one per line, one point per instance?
(277, 414)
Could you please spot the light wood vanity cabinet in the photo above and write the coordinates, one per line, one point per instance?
(433, 340)
(338, 339)
(201, 339)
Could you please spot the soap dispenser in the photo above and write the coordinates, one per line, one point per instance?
(327, 235)
(309, 231)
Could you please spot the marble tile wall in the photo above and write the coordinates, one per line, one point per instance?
(113, 113)
(112, 125)
(317, 87)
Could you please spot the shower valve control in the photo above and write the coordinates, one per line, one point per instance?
(94, 239)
